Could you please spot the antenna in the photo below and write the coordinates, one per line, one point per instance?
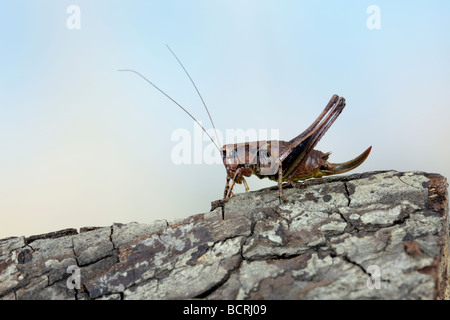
(198, 92)
(179, 105)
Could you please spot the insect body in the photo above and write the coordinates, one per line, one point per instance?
(281, 161)
(287, 161)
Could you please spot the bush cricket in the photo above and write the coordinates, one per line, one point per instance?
(280, 161)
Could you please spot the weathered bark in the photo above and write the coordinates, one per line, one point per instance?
(329, 241)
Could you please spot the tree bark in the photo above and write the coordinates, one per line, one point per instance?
(376, 235)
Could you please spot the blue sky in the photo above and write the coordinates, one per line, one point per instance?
(85, 145)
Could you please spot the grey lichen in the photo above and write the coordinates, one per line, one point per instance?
(323, 244)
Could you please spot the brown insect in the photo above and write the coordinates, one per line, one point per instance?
(281, 161)
(287, 161)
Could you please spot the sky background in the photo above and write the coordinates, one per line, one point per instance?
(82, 144)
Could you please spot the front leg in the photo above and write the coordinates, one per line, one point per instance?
(227, 187)
(221, 203)
(280, 184)
(230, 192)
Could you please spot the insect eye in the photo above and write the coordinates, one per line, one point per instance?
(264, 156)
(230, 157)
(264, 153)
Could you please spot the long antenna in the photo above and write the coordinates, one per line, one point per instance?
(156, 87)
(198, 92)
